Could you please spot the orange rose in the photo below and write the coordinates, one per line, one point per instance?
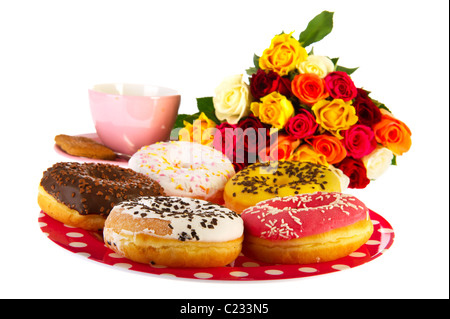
(330, 146)
(393, 134)
(306, 153)
(281, 150)
(309, 88)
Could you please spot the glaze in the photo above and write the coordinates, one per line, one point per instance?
(184, 168)
(303, 215)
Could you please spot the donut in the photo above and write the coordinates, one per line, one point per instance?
(261, 181)
(83, 194)
(174, 231)
(185, 169)
(306, 228)
(84, 146)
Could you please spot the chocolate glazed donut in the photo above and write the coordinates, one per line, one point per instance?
(83, 194)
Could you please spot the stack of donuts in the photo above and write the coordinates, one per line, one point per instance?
(181, 204)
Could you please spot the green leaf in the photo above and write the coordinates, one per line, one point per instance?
(256, 61)
(317, 29)
(335, 61)
(255, 68)
(180, 119)
(380, 105)
(206, 105)
(349, 71)
(251, 71)
(394, 160)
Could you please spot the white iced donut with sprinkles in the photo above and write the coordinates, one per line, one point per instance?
(174, 232)
(185, 169)
(307, 228)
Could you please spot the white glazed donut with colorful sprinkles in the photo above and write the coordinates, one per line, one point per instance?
(185, 169)
(174, 231)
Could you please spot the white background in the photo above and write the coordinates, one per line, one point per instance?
(53, 50)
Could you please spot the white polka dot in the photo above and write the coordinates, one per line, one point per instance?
(307, 269)
(203, 275)
(74, 235)
(357, 254)
(77, 244)
(239, 274)
(386, 230)
(157, 266)
(84, 254)
(42, 224)
(373, 242)
(167, 275)
(68, 226)
(123, 265)
(114, 255)
(340, 267)
(375, 222)
(273, 272)
(250, 264)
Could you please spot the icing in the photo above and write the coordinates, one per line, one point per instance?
(291, 217)
(187, 219)
(94, 188)
(184, 168)
(262, 181)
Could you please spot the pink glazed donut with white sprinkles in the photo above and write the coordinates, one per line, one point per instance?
(306, 228)
(185, 169)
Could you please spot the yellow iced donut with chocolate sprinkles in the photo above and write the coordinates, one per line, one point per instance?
(262, 181)
(185, 169)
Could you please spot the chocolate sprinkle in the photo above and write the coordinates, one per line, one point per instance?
(94, 188)
(308, 174)
(179, 207)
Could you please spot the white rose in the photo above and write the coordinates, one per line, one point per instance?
(232, 99)
(377, 162)
(320, 65)
(343, 179)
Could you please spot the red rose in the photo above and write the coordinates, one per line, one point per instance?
(284, 87)
(356, 172)
(359, 140)
(340, 86)
(241, 142)
(301, 125)
(225, 140)
(368, 113)
(262, 83)
(256, 135)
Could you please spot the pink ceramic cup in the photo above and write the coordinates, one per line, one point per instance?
(129, 116)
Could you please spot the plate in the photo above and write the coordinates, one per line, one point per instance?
(119, 161)
(91, 246)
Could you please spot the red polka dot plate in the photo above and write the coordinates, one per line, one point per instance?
(90, 245)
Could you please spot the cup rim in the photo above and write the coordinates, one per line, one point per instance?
(124, 88)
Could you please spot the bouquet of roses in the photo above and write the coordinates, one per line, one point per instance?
(299, 106)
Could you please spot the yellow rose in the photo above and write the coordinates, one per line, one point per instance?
(274, 109)
(283, 55)
(335, 115)
(305, 153)
(201, 131)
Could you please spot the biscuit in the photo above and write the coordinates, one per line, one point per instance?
(84, 146)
